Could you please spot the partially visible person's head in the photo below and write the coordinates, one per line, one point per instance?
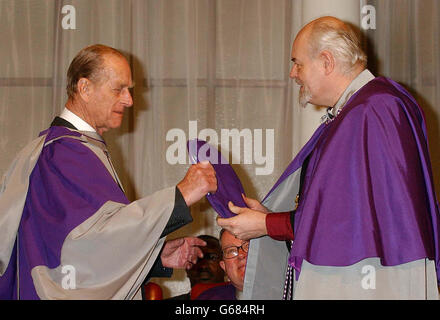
(207, 269)
(326, 55)
(234, 258)
(98, 86)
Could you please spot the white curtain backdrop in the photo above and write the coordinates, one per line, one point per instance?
(223, 64)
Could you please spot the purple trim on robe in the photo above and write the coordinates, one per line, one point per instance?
(67, 186)
(368, 189)
(299, 159)
(224, 292)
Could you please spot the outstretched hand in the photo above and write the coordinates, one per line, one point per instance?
(182, 253)
(248, 223)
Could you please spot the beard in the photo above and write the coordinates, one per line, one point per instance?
(304, 95)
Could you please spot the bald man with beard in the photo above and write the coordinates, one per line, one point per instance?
(357, 205)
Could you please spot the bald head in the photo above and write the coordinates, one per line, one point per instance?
(333, 35)
(333, 22)
(326, 56)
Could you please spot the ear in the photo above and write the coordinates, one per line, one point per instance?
(84, 87)
(328, 62)
(222, 265)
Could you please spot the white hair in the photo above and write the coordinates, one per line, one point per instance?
(341, 42)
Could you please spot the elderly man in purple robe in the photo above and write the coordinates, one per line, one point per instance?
(356, 207)
(67, 230)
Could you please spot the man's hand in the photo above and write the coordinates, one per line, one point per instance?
(248, 223)
(182, 253)
(198, 181)
(254, 204)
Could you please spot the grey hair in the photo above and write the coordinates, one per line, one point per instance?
(341, 42)
(88, 63)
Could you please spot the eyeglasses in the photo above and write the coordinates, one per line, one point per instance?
(232, 251)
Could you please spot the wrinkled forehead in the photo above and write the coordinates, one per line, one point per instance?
(301, 44)
(229, 240)
(299, 53)
(117, 69)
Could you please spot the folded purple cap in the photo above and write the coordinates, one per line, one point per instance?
(229, 187)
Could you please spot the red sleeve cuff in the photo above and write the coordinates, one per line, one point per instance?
(278, 226)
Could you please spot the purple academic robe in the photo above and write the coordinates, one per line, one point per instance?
(63, 193)
(368, 189)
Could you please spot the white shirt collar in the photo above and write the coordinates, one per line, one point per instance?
(361, 80)
(79, 123)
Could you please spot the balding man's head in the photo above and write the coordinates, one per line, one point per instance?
(326, 56)
(88, 63)
(98, 85)
(335, 36)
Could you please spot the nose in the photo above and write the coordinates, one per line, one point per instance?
(127, 99)
(293, 72)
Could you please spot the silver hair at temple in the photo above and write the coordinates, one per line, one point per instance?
(343, 43)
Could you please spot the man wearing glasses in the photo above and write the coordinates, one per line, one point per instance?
(233, 262)
(207, 271)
